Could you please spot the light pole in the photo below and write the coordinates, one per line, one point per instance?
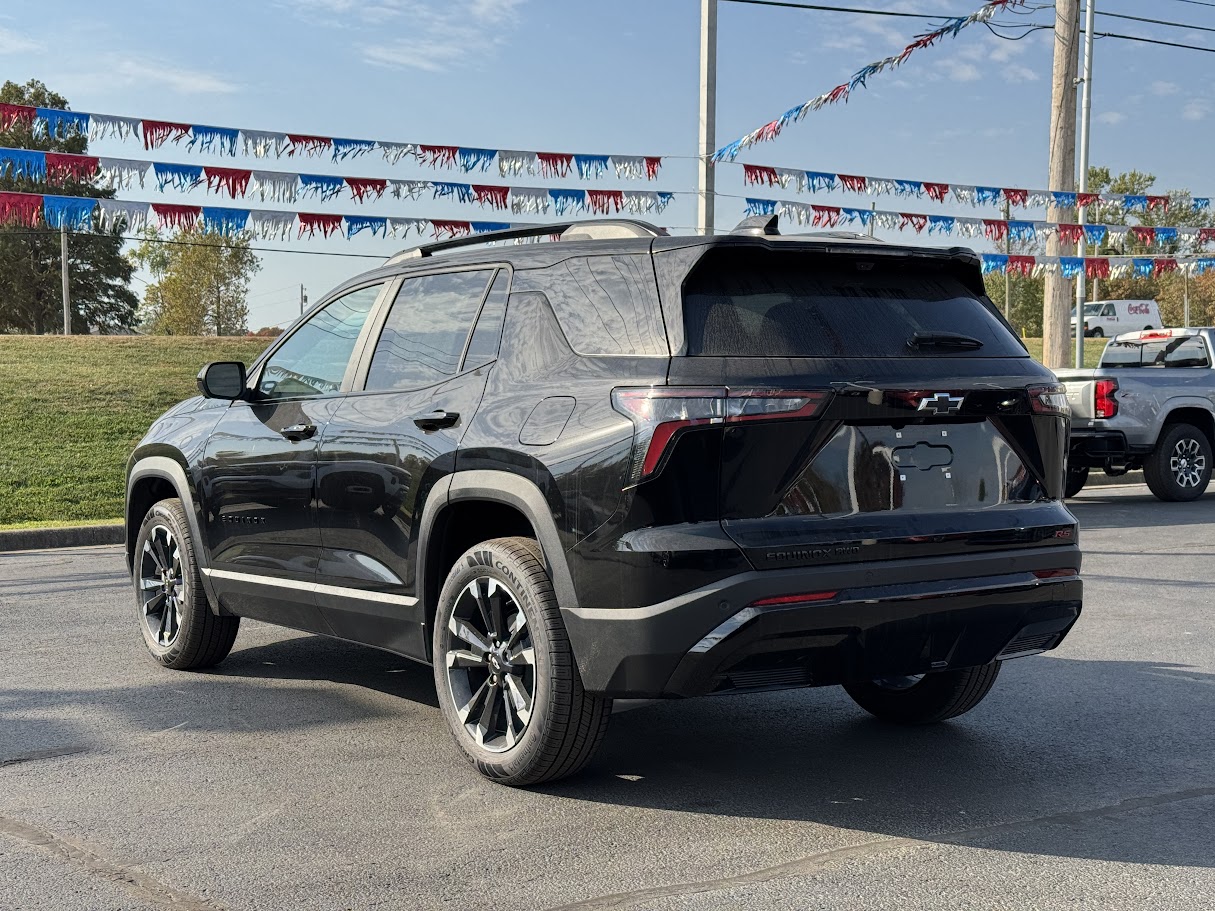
(708, 116)
(1086, 109)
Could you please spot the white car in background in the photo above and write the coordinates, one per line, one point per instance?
(1105, 319)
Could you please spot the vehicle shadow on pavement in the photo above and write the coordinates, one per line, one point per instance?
(1042, 766)
(1093, 509)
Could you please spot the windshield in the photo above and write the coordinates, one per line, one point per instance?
(1092, 309)
(1186, 351)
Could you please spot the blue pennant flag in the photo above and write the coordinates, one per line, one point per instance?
(565, 200)
(69, 212)
(1071, 266)
(1144, 267)
(864, 216)
(1166, 235)
(664, 200)
(1203, 265)
(984, 195)
(322, 186)
(372, 223)
(1095, 234)
(1064, 200)
(23, 163)
(225, 221)
(351, 148)
(63, 123)
(220, 140)
(475, 159)
(760, 207)
(994, 262)
(484, 227)
(817, 181)
(461, 191)
(177, 176)
(941, 224)
(1201, 203)
(1135, 203)
(908, 188)
(1021, 230)
(591, 167)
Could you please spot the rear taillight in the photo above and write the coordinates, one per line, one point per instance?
(1049, 400)
(1056, 573)
(1105, 405)
(659, 413)
(784, 600)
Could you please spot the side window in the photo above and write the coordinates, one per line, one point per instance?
(1108, 310)
(1190, 353)
(313, 360)
(488, 333)
(426, 329)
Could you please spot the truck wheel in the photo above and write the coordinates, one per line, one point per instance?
(179, 628)
(1147, 328)
(1098, 333)
(1076, 479)
(927, 698)
(1179, 468)
(506, 677)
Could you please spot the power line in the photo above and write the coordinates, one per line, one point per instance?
(1188, 47)
(194, 243)
(1197, 3)
(1185, 25)
(844, 9)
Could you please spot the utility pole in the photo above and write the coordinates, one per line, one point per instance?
(1007, 271)
(63, 275)
(1086, 110)
(1186, 276)
(1061, 174)
(303, 300)
(872, 218)
(708, 116)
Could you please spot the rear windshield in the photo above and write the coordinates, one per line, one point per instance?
(1186, 351)
(758, 303)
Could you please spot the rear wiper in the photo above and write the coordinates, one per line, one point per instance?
(943, 340)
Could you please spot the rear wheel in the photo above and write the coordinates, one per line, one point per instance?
(1076, 479)
(506, 677)
(927, 698)
(1179, 468)
(179, 628)
(1098, 333)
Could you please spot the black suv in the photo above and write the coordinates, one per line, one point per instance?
(624, 464)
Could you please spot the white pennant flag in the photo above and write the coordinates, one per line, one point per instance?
(274, 186)
(122, 173)
(395, 151)
(261, 144)
(128, 217)
(269, 224)
(512, 164)
(107, 126)
(408, 189)
(529, 200)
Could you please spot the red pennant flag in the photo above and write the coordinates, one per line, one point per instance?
(1097, 267)
(307, 145)
(1206, 235)
(1021, 265)
(16, 114)
(937, 191)
(605, 202)
(995, 230)
(919, 222)
(1084, 200)
(439, 156)
(319, 221)
(157, 132)
(855, 184)
(1144, 234)
(1071, 234)
(759, 175)
(554, 164)
(1158, 202)
(61, 167)
(769, 131)
(652, 164)
(363, 187)
(497, 197)
(826, 216)
(23, 209)
(172, 215)
(1016, 197)
(1164, 265)
(451, 228)
(233, 180)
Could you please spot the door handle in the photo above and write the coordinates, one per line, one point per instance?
(437, 420)
(298, 432)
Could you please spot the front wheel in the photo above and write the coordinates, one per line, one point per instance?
(505, 674)
(1179, 469)
(1097, 333)
(926, 698)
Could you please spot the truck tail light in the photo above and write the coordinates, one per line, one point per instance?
(659, 413)
(1105, 405)
(1049, 400)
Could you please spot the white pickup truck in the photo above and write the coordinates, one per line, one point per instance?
(1151, 405)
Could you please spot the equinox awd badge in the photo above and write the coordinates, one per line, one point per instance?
(941, 403)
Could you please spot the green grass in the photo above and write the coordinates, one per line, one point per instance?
(1092, 349)
(72, 409)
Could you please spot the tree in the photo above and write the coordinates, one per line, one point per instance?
(201, 281)
(30, 285)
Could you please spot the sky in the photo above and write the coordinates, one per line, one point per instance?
(609, 77)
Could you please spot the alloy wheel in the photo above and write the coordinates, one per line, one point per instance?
(491, 664)
(162, 586)
(1188, 463)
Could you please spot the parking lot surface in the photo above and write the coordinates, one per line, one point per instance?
(307, 773)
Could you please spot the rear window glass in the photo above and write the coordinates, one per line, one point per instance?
(1175, 352)
(749, 303)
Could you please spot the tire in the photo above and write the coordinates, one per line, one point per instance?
(178, 626)
(532, 663)
(1076, 479)
(1098, 333)
(1147, 328)
(928, 699)
(1179, 468)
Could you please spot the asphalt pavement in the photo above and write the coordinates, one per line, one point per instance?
(311, 774)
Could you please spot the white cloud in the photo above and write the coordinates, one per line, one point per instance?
(1111, 118)
(960, 70)
(1162, 88)
(177, 79)
(445, 33)
(13, 43)
(1196, 109)
(1016, 72)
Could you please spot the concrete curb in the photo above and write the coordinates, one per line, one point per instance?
(77, 536)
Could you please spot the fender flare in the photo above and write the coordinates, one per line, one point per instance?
(511, 490)
(1176, 403)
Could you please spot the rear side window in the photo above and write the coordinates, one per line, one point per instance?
(424, 335)
(487, 335)
(1178, 352)
(757, 303)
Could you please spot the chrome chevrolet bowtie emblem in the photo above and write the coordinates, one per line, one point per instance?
(942, 403)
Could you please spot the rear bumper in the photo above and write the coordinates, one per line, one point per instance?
(889, 619)
(1093, 448)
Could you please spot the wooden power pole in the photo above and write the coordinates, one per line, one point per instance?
(706, 185)
(1062, 176)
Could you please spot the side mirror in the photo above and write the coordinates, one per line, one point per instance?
(222, 380)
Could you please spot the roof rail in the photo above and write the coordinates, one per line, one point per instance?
(587, 229)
